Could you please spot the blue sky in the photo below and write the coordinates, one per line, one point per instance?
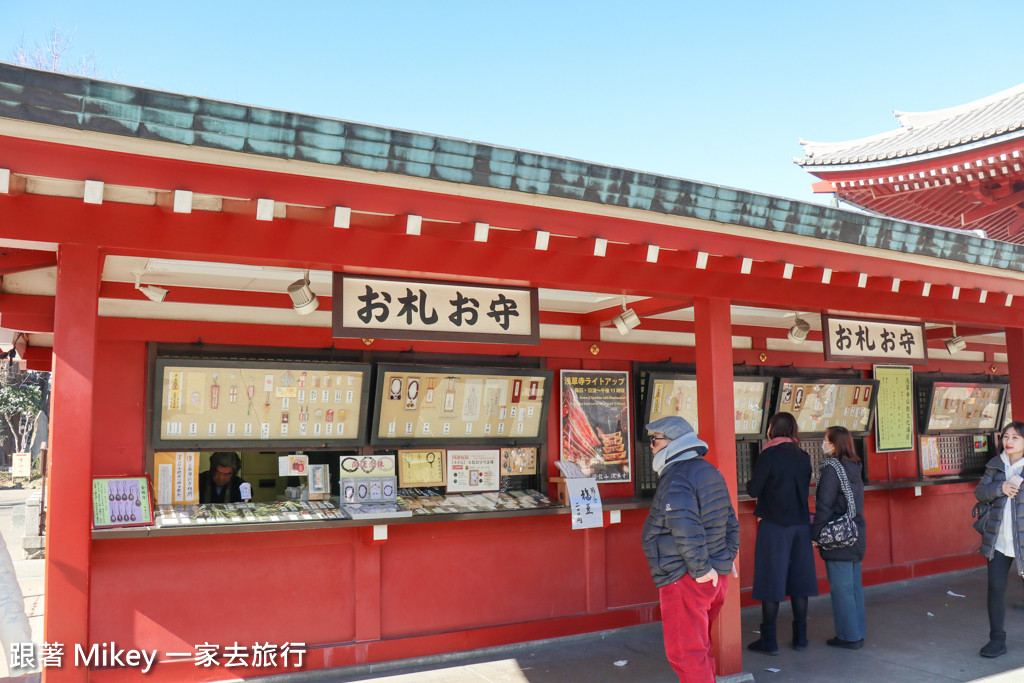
(715, 92)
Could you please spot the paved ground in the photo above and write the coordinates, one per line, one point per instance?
(30, 572)
(927, 630)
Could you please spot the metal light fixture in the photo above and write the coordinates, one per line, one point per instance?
(955, 344)
(626, 320)
(151, 292)
(304, 301)
(798, 332)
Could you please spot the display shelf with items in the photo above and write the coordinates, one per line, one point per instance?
(200, 403)
(959, 407)
(819, 403)
(246, 513)
(420, 405)
(432, 502)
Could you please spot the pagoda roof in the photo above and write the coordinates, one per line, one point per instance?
(991, 120)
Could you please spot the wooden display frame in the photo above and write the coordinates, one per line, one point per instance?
(213, 403)
(422, 468)
(748, 425)
(428, 405)
(949, 393)
(108, 507)
(816, 403)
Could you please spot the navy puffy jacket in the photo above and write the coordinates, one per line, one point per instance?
(692, 526)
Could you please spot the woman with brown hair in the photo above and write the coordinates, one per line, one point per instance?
(1002, 538)
(843, 565)
(783, 556)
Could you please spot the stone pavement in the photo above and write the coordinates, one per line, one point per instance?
(924, 630)
(30, 572)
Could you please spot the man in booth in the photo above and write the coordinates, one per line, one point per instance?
(221, 483)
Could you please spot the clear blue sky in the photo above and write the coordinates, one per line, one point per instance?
(718, 92)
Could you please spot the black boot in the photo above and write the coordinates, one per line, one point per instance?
(996, 644)
(800, 635)
(767, 643)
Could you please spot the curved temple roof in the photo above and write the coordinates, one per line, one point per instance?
(995, 118)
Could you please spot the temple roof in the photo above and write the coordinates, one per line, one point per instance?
(990, 120)
(94, 106)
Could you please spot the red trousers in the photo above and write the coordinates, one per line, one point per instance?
(688, 609)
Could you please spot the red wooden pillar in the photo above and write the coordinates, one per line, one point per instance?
(1015, 360)
(69, 527)
(713, 329)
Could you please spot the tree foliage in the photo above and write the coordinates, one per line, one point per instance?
(23, 395)
(53, 54)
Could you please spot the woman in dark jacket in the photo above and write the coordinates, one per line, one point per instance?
(1002, 539)
(783, 556)
(842, 564)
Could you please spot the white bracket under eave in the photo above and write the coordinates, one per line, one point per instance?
(342, 217)
(93, 193)
(5, 181)
(183, 201)
(413, 225)
(652, 253)
(264, 209)
(541, 243)
(600, 246)
(480, 231)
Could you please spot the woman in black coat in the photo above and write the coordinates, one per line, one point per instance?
(843, 565)
(783, 556)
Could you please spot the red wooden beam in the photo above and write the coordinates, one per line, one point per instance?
(20, 260)
(585, 221)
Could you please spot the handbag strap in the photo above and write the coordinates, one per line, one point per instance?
(844, 483)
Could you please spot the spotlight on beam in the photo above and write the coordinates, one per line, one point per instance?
(798, 332)
(955, 344)
(304, 301)
(151, 292)
(627, 320)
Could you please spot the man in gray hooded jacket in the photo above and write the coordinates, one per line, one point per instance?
(691, 539)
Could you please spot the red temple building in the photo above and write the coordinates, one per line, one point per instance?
(957, 168)
(155, 248)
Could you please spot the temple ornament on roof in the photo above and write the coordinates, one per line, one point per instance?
(959, 167)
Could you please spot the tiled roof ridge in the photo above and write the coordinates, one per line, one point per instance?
(941, 131)
(913, 119)
(78, 103)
